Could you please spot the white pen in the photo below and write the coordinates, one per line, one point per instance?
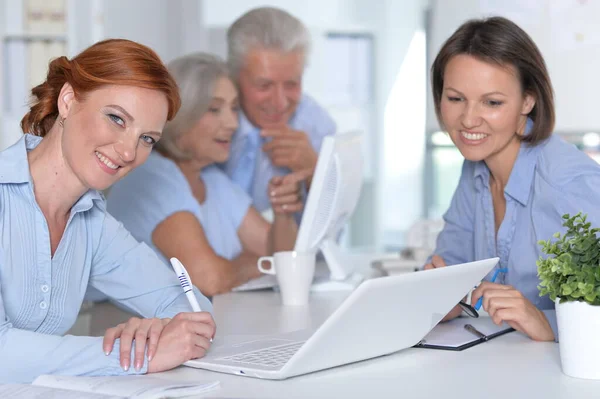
(186, 283)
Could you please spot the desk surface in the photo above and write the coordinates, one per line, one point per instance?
(508, 366)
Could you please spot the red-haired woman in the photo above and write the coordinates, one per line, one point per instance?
(94, 119)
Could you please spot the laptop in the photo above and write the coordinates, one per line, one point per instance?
(381, 316)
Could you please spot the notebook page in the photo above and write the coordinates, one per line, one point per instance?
(453, 333)
(26, 391)
(131, 386)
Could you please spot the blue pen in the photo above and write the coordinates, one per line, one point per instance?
(496, 272)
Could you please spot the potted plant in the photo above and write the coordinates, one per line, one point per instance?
(570, 275)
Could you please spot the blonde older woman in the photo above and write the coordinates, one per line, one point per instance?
(181, 204)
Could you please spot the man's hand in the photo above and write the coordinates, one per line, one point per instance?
(290, 149)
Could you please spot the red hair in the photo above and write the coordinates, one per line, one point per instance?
(109, 62)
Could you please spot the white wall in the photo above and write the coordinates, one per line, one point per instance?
(171, 27)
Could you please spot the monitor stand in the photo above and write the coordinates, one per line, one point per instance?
(341, 276)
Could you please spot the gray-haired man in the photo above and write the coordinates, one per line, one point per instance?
(280, 129)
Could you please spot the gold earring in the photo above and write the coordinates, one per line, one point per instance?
(61, 121)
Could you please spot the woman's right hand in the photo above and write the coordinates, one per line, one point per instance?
(437, 262)
(285, 192)
(187, 336)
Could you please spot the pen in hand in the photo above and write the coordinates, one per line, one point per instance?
(186, 283)
(475, 331)
(493, 280)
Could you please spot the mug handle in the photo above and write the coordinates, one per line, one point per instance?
(266, 259)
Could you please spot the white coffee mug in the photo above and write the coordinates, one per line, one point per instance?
(294, 271)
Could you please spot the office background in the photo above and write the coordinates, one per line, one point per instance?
(368, 68)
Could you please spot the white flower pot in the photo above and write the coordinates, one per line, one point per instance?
(579, 339)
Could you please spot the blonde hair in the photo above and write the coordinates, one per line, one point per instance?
(195, 75)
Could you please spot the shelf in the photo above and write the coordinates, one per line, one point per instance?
(34, 37)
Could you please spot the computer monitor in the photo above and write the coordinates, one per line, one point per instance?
(333, 195)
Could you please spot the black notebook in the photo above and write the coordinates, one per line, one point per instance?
(452, 335)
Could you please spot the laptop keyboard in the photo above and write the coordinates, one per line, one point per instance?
(274, 356)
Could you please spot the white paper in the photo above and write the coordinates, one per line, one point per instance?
(134, 386)
(25, 391)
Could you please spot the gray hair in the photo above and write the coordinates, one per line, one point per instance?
(268, 28)
(195, 75)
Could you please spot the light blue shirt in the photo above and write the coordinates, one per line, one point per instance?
(252, 169)
(158, 189)
(40, 295)
(547, 181)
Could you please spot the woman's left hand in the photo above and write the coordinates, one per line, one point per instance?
(285, 192)
(504, 303)
(140, 330)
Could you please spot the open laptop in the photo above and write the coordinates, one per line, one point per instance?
(382, 316)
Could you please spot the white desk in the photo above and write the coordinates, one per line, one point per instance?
(510, 366)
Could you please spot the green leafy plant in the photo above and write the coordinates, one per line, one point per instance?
(571, 270)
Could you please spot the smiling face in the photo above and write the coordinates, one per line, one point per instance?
(110, 131)
(483, 107)
(270, 85)
(209, 140)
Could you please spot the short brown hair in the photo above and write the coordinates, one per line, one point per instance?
(109, 62)
(500, 41)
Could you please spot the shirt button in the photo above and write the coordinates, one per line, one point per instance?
(43, 305)
(45, 288)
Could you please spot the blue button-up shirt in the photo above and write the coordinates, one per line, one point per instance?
(547, 181)
(158, 189)
(41, 294)
(252, 169)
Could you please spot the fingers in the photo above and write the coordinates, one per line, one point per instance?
(288, 209)
(280, 143)
(485, 288)
(202, 319)
(298, 176)
(110, 336)
(275, 181)
(141, 335)
(282, 200)
(153, 337)
(148, 330)
(203, 329)
(281, 132)
(127, 336)
(494, 305)
(285, 189)
(437, 261)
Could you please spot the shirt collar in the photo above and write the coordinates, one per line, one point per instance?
(14, 168)
(520, 181)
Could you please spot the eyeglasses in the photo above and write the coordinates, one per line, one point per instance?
(471, 311)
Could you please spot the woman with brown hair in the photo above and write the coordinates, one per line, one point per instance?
(94, 119)
(493, 96)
